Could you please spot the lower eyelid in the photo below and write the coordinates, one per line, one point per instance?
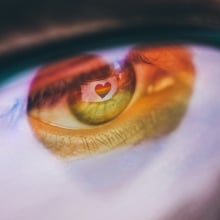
(122, 131)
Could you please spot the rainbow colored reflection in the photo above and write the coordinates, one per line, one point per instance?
(85, 105)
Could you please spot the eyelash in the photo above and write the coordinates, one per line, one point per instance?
(51, 94)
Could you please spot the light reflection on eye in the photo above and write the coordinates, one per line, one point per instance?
(86, 105)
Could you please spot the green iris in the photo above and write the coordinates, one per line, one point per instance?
(100, 112)
(102, 94)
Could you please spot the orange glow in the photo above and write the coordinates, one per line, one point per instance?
(164, 79)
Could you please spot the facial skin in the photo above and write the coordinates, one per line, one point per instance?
(124, 185)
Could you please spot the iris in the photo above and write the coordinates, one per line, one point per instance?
(86, 105)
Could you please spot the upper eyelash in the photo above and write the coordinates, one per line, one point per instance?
(52, 93)
(49, 95)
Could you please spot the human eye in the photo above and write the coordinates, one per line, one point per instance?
(168, 172)
(107, 99)
(172, 157)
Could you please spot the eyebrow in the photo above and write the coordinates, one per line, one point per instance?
(64, 19)
(32, 39)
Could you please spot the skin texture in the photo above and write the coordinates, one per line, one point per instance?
(26, 24)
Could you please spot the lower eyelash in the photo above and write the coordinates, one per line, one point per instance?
(53, 92)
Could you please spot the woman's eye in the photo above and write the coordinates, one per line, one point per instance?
(104, 100)
(161, 102)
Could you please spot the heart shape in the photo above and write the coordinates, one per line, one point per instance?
(103, 90)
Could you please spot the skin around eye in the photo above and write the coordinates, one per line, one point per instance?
(85, 105)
